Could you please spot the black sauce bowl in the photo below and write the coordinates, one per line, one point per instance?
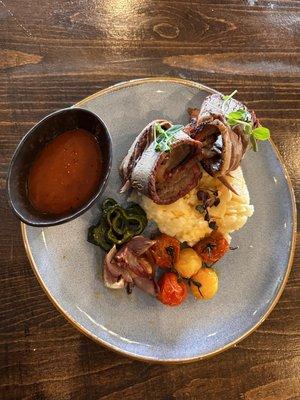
(48, 128)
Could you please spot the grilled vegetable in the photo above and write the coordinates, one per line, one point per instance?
(117, 225)
(212, 247)
(171, 291)
(204, 284)
(188, 263)
(165, 251)
(97, 236)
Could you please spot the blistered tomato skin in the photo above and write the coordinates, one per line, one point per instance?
(212, 247)
(171, 291)
(204, 285)
(165, 251)
(188, 263)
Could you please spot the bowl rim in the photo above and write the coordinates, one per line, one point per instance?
(233, 343)
(59, 219)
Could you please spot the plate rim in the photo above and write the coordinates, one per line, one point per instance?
(90, 335)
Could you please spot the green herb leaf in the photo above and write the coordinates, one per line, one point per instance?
(261, 133)
(164, 138)
(240, 114)
(231, 121)
(162, 147)
(241, 117)
(159, 130)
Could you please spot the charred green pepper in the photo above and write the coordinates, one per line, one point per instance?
(97, 235)
(117, 224)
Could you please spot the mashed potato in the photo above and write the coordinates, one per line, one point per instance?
(182, 220)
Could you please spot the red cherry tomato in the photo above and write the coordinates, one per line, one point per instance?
(171, 291)
(165, 251)
(212, 248)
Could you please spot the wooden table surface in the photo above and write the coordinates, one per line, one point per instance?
(54, 53)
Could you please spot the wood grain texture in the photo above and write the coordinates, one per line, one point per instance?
(54, 53)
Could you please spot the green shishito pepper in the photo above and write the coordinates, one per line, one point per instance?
(117, 225)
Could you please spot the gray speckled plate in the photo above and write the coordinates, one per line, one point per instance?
(251, 278)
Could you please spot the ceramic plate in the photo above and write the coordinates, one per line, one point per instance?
(251, 278)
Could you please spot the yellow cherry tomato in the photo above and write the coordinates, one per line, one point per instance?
(204, 284)
(188, 263)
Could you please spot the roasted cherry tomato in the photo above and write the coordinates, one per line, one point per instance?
(212, 247)
(165, 251)
(188, 263)
(204, 284)
(171, 291)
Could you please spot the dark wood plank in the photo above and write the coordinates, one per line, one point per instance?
(53, 54)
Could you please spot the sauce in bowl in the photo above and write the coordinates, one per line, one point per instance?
(66, 173)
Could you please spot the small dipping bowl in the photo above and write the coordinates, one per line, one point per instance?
(33, 142)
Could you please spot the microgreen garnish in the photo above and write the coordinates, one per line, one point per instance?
(163, 139)
(229, 96)
(206, 216)
(201, 208)
(208, 198)
(242, 117)
(239, 116)
(226, 98)
(213, 225)
(261, 133)
(253, 143)
(216, 202)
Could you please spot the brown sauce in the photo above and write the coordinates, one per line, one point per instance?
(66, 173)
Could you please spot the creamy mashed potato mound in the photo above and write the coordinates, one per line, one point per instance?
(182, 220)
